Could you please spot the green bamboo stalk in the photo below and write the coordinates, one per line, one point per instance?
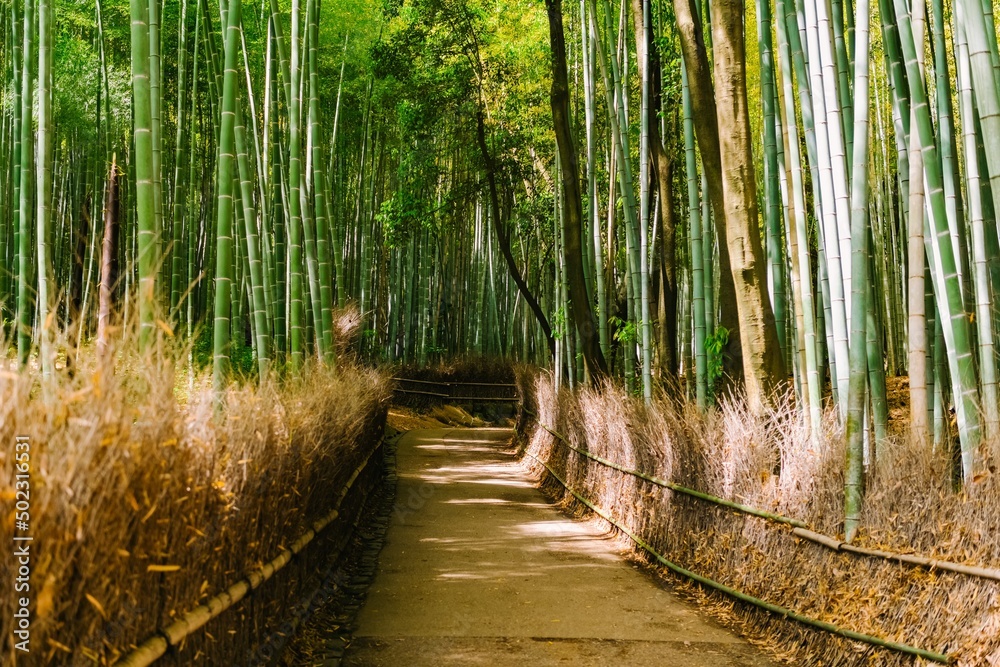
(143, 164)
(309, 221)
(338, 232)
(43, 217)
(876, 366)
(275, 183)
(974, 192)
(318, 177)
(948, 289)
(267, 186)
(945, 126)
(823, 325)
(855, 427)
(697, 252)
(645, 194)
(312, 264)
(24, 314)
(180, 191)
(193, 214)
(225, 175)
(156, 133)
(15, 165)
(845, 64)
(616, 104)
(772, 195)
(251, 249)
(214, 67)
(10, 157)
(991, 38)
(833, 196)
(297, 315)
(798, 211)
(589, 39)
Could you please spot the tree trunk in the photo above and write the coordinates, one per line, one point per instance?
(662, 167)
(582, 311)
(763, 368)
(503, 238)
(707, 132)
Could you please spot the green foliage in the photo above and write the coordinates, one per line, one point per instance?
(201, 351)
(434, 64)
(559, 323)
(401, 216)
(669, 48)
(242, 361)
(77, 76)
(625, 332)
(534, 213)
(715, 346)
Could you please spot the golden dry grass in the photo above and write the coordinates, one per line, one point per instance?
(146, 500)
(769, 462)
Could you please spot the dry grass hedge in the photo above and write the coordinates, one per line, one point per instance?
(143, 506)
(769, 462)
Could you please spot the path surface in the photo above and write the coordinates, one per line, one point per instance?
(479, 569)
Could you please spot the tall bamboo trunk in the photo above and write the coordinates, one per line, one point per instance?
(764, 372)
(225, 177)
(582, 310)
(144, 204)
(856, 426)
(703, 103)
(43, 185)
(24, 314)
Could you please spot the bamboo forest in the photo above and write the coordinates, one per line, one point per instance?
(664, 329)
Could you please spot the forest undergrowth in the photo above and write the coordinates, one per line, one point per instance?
(770, 462)
(149, 494)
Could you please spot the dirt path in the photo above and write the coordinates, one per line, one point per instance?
(478, 569)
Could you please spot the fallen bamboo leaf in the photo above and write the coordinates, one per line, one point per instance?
(96, 605)
(163, 568)
(149, 513)
(62, 647)
(46, 598)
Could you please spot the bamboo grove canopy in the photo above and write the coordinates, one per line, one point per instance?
(688, 195)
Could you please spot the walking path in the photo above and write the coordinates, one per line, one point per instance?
(479, 569)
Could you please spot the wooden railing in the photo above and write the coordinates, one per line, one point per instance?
(458, 392)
